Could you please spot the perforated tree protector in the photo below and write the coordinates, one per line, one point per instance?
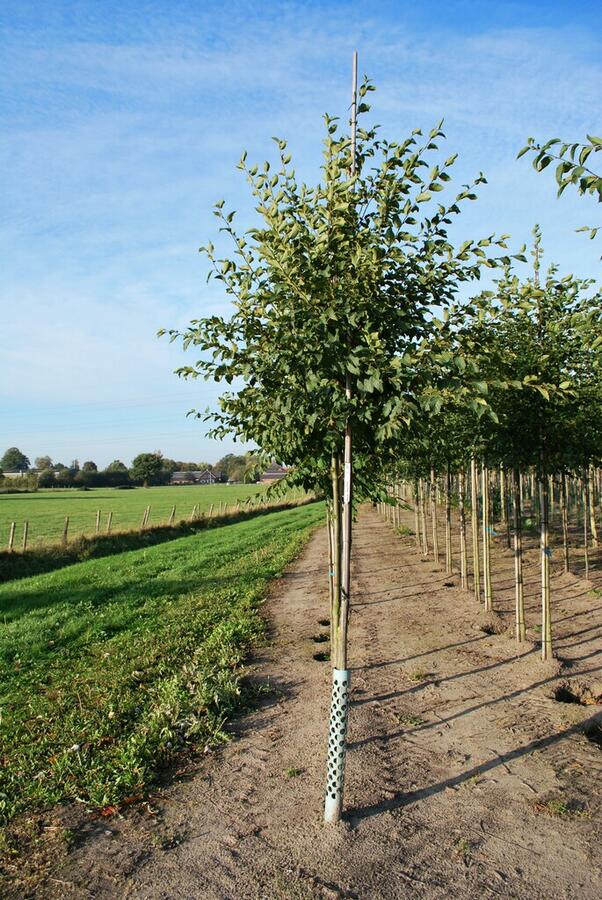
(337, 734)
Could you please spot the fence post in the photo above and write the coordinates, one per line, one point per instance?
(109, 520)
(97, 521)
(25, 533)
(66, 530)
(11, 536)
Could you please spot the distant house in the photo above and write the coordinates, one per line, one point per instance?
(209, 477)
(273, 473)
(204, 477)
(182, 477)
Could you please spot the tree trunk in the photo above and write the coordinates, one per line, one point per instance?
(425, 540)
(474, 523)
(416, 516)
(486, 539)
(546, 619)
(504, 503)
(448, 533)
(462, 515)
(340, 612)
(585, 521)
(518, 559)
(434, 517)
(592, 507)
(565, 521)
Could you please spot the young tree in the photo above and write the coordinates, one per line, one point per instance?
(333, 295)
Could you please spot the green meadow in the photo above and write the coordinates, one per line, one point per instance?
(113, 668)
(45, 510)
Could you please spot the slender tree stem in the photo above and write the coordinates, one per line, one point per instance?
(474, 523)
(518, 559)
(486, 539)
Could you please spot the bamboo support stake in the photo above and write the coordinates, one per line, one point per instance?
(433, 495)
(565, 521)
(425, 541)
(329, 531)
(486, 539)
(11, 536)
(586, 502)
(25, 533)
(592, 507)
(416, 516)
(519, 600)
(546, 622)
(504, 501)
(474, 524)
(462, 515)
(448, 532)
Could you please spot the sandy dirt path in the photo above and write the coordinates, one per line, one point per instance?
(465, 777)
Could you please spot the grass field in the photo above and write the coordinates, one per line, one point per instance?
(111, 668)
(46, 510)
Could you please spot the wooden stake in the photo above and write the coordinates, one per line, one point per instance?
(416, 515)
(565, 521)
(486, 539)
(518, 560)
(172, 515)
(474, 524)
(109, 521)
(592, 507)
(462, 515)
(66, 530)
(11, 537)
(433, 493)
(448, 533)
(586, 502)
(97, 521)
(25, 533)
(546, 623)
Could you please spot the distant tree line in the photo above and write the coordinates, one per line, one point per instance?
(146, 469)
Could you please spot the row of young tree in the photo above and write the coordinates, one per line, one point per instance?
(343, 367)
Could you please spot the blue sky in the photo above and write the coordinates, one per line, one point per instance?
(121, 123)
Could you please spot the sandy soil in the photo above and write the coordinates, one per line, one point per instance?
(465, 777)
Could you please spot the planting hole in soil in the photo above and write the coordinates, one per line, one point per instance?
(577, 693)
(322, 656)
(320, 638)
(324, 622)
(594, 734)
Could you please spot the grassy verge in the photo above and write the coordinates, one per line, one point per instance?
(111, 668)
(48, 558)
